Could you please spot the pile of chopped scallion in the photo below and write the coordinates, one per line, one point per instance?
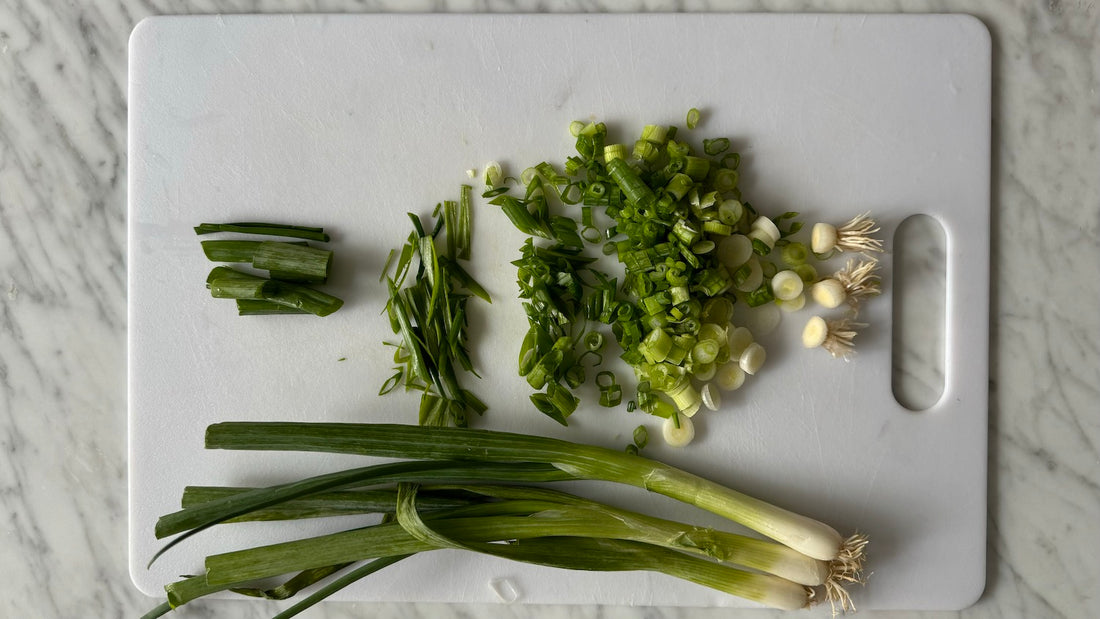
(293, 269)
(472, 490)
(690, 248)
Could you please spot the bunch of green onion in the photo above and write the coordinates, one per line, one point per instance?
(293, 269)
(472, 490)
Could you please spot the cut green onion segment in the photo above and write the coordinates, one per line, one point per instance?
(269, 229)
(290, 266)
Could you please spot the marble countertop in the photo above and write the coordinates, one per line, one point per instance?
(63, 469)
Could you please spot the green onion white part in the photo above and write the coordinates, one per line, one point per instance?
(768, 227)
(793, 305)
(734, 251)
(712, 399)
(859, 280)
(835, 336)
(752, 358)
(786, 285)
(738, 340)
(853, 236)
(760, 235)
(494, 175)
(815, 332)
(729, 376)
(753, 275)
(829, 293)
(678, 430)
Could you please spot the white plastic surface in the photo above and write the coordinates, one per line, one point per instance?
(350, 121)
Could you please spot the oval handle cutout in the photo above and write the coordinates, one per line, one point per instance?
(919, 312)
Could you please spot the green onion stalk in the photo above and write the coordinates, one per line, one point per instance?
(465, 489)
(805, 535)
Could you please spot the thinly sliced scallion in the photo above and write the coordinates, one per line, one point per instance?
(692, 118)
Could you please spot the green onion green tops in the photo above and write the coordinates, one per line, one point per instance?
(293, 268)
(684, 238)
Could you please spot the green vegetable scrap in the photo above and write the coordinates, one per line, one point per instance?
(428, 312)
(690, 248)
(292, 269)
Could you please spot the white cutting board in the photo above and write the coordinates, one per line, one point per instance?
(350, 121)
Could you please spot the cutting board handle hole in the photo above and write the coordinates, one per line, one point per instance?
(919, 312)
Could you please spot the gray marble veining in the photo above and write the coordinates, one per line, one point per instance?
(63, 316)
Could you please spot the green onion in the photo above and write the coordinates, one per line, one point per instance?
(716, 146)
(230, 251)
(430, 315)
(808, 536)
(692, 118)
(300, 260)
(259, 307)
(299, 232)
(322, 504)
(304, 298)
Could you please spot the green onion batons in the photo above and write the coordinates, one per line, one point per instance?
(292, 267)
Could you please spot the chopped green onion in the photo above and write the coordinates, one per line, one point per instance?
(729, 376)
(692, 118)
(752, 358)
(716, 146)
(786, 285)
(301, 260)
(794, 254)
(829, 293)
(678, 430)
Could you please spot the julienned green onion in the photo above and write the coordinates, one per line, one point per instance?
(269, 229)
(429, 314)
